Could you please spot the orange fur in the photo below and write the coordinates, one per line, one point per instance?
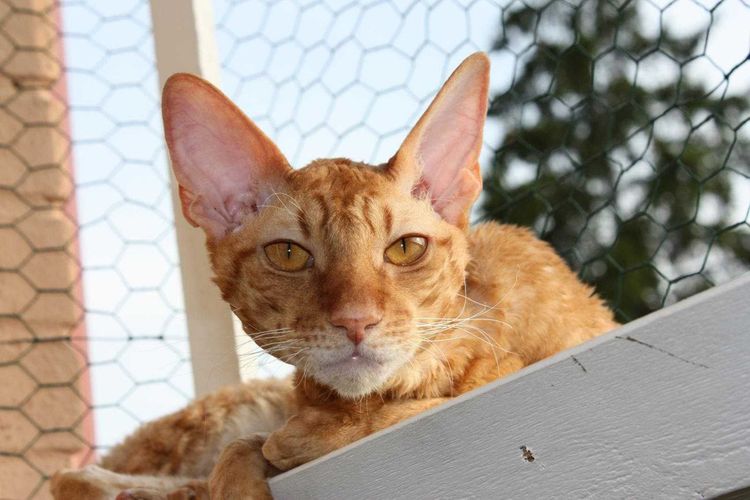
(481, 303)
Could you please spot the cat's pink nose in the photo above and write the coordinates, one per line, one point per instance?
(356, 321)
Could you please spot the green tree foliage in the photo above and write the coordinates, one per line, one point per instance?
(618, 155)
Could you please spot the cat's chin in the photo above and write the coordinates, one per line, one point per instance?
(354, 376)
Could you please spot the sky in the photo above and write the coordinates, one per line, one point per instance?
(321, 78)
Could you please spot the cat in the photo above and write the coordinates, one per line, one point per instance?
(368, 279)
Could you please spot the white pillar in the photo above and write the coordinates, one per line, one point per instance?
(185, 42)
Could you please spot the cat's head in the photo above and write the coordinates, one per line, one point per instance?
(337, 266)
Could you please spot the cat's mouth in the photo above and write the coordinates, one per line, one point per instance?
(356, 360)
(353, 373)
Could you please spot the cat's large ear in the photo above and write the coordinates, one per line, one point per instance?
(224, 165)
(439, 157)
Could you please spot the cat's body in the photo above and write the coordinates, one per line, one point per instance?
(368, 279)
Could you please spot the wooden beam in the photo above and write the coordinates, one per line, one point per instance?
(656, 409)
(185, 42)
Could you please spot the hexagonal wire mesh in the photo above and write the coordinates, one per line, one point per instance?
(87, 350)
(665, 189)
(137, 349)
(617, 130)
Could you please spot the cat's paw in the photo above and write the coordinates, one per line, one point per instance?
(196, 490)
(305, 437)
(141, 494)
(90, 483)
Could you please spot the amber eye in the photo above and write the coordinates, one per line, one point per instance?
(287, 256)
(406, 250)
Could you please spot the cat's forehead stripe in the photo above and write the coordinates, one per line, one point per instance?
(304, 225)
(387, 219)
(325, 214)
(367, 213)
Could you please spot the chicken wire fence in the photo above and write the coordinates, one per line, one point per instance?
(91, 321)
(617, 130)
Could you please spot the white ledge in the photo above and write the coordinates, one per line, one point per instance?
(659, 408)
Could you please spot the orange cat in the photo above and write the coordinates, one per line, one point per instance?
(366, 278)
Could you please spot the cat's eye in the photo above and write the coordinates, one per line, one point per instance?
(287, 256)
(406, 250)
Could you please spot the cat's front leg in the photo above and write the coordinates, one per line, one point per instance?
(316, 431)
(241, 471)
(95, 483)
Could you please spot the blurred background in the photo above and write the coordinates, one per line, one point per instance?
(619, 131)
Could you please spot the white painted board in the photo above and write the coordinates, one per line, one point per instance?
(659, 408)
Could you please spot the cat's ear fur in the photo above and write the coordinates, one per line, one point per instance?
(440, 157)
(225, 166)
